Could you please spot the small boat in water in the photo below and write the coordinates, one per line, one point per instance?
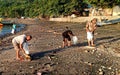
(1, 24)
(6, 23)
(1, 27)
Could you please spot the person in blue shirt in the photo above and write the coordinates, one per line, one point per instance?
(13, 28)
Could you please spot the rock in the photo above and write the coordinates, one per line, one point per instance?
(93, 51)
(100, 72)
(60, 47)
(99, 54)
(56, 63)
(31, 67)
(88, 63)
(52, 56)
(49, 58)
(103, 67)
(102, 46)
(86, 51)
(34, 72)
(100, 69)
(20, 71)
(39, 73)
(109, 68)
(47, 67)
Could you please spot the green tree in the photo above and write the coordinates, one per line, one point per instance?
(49, 8)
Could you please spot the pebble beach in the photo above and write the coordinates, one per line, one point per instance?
(50, 59)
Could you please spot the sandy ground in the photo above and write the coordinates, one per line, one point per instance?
(50, 59)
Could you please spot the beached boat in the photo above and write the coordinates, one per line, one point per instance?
(108, 22)
(1, 28)
(6, 22)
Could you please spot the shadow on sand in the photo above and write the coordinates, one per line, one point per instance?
(39, 55)
(109, 39)
(1, 73)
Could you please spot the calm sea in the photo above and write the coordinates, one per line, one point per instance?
(6, 29)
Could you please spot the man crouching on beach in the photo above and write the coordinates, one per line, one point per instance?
(18, 45)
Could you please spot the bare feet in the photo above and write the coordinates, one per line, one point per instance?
(20, 58)
(93, 45)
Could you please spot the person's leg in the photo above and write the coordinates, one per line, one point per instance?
(17, 51)
(92, 43)
(69, 43)
(89, 44)
(17, 54)
(92, 39)
(64, 42)
(63, 45)
(16, 47)
(89, 38)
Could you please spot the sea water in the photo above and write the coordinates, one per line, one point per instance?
(6, 29)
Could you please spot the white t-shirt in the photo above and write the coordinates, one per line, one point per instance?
(20, 39)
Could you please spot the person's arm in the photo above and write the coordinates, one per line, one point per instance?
(95, 27)
(21, 47)
(87, 27)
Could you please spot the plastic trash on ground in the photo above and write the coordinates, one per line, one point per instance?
(25, 47)
(74, 39)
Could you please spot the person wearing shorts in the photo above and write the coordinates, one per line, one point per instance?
(18, 44)
(66, 38)
(90, 37)
(90, 29)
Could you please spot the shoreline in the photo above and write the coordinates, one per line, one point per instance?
(20, 28)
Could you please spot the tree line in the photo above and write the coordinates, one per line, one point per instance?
(49, 8)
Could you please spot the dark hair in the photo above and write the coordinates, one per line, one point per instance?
(70, 32)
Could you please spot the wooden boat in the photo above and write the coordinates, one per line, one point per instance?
(109, 22)
(1, 28)
(6, 23)
(1, 24)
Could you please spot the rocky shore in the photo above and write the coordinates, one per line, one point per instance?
(50, 59)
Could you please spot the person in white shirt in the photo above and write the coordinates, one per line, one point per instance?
(18, 42)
